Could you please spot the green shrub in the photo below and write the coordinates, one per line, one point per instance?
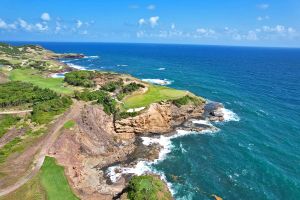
(147, 187)
(124, 115)
(112, 86)
(80, 78)
(102, 97)
(6, 122)
(16, 93)
(44, 112)
(108, 103)
(11, 147)
(185, 100)
(87, 95)
(131, 87)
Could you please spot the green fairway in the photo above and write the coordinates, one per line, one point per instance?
(32, 76)
(54, 181)
(154, 94)
(50, 183)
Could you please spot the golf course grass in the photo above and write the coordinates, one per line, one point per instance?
(153, 94)
(32, 76)
(54, 181)
(69, 124)
(50, 183)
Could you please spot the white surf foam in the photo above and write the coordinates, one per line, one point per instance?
(229, 115)
(58, 75)
(161, 69)
(142, 167)
(76, 66)
(202, 121)
(158, 81)
(122, 65)
(91, 56)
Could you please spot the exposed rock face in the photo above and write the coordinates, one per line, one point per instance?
(158, 118)
(89, 146)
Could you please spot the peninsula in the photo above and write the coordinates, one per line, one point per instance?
(60, 136)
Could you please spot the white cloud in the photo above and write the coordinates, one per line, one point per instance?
(78, 23)
(140, 34)
(205, 32)
(85, 32)
(151, 7)
(4, 25)
(173, 26)
(142, 21)
(41, 27)
(45, 16)
(263, 6)
(153, 21)
(58, 27)
(251, 36)
(26, 26)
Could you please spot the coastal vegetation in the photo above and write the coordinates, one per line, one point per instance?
(80, 78)
(147, 187)
(44, 112)
(17, 93)
(187, 99)
(19, 144)
(34, 77)
(6, 121)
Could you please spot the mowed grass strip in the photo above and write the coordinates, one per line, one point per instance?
(32, 76)
(153, 94)
(54, 181)
(50, 183)
(69, 124)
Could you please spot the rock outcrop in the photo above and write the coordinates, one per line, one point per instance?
(159, 118)
(89, 146)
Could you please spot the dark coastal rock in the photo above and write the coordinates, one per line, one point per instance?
(212, 111)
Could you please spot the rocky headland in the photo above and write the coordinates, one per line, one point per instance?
(111, 114)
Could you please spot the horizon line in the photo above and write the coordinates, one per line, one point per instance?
(153, 43)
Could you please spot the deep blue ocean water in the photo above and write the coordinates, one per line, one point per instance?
(257, 157)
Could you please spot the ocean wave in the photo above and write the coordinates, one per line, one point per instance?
(158, 81)
(203, 122)
(161, 69)
(122, 65)
(76, 66)
(142, 167)
(229, 115)
(58, 75)
(91, 56)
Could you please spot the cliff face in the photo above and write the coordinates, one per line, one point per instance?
(90, 145)
(158, 118)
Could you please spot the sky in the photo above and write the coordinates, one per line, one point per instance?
(209, 22)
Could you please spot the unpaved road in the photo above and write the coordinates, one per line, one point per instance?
(47, 143)
(14, 112)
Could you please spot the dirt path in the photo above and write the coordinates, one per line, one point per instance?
(14, 112)
(47, 143)
(10, 135)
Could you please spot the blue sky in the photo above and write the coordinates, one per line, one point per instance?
(215, 22)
